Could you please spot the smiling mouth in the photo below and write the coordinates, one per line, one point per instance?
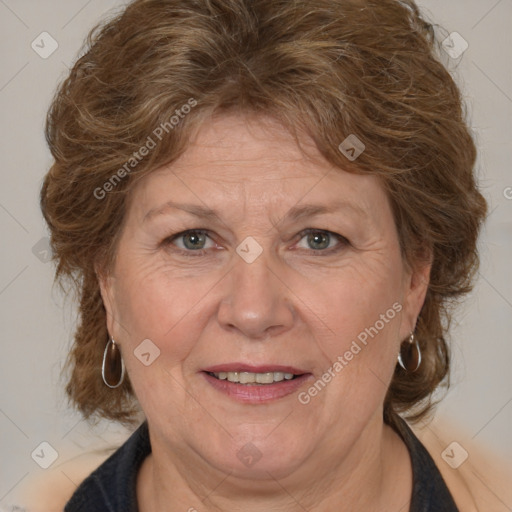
(254, 378)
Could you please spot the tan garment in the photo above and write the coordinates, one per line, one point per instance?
(482, 482)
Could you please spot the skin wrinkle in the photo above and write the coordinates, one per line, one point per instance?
(282, 308)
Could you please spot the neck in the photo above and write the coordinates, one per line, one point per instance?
(375, 474)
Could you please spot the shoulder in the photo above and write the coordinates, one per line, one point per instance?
(112, 484)
(477, 479)
(51, 490)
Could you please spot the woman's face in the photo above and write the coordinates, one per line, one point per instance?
(245, 256)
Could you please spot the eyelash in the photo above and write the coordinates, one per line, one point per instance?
(342, 241)
(201, 252)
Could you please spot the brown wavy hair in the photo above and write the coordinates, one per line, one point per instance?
(326, 68)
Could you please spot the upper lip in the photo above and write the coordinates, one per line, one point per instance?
(244, 367)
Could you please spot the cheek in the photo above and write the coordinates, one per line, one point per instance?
(160, 305)
(170, 311)
(364, 304)
(358, 325)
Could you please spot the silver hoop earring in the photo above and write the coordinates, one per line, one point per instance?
(409, 356)
(112, 368)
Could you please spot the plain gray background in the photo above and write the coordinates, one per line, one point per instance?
(37, 322)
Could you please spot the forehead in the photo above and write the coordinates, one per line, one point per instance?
(234, 142)
(254, 160)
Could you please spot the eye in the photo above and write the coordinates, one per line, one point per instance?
(193, 240)
(320, 240)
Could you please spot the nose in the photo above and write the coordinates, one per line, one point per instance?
(256, 302)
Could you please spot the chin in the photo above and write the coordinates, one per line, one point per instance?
(261, 460)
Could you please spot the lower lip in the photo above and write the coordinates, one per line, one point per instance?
(257, 393)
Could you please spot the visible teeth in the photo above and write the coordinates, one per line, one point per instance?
(247, 378)
(264, 378)
(254, 378)
(233, 376)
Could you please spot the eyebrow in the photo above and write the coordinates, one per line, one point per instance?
(193, 209)
(310, 210)
(295, 213)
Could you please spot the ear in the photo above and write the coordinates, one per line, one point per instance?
(106, 283)
(415, 286)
